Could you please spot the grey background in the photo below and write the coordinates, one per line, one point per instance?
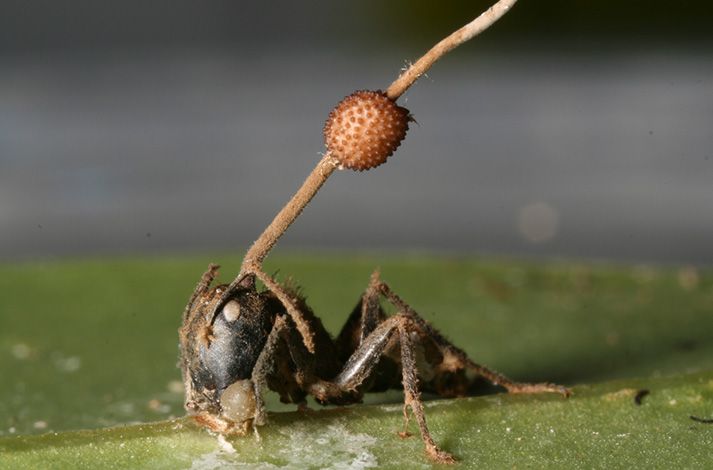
(184, 126)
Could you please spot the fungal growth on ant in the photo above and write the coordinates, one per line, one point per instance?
(237, 341)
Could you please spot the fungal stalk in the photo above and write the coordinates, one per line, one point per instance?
(361, 132)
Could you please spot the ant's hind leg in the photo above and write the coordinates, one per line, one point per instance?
(362, 364)
(455, 359)
(412, 397)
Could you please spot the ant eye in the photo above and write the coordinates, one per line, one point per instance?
(231, 311)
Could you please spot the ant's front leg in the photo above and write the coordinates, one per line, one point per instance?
(291, 303)
(265, 365)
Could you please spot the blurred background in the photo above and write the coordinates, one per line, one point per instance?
(570, 129)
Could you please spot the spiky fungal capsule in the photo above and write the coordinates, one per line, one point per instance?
(364, 129)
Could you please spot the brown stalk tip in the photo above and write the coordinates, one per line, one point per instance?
(364, 129)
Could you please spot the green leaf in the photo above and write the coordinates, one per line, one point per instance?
(600, 426)
(90, 344)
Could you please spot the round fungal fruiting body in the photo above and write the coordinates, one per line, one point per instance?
(364, 129)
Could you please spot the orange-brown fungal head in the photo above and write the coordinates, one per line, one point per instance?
(364, 129)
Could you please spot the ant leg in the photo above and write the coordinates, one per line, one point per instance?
(362, 362)
(201, 289)
(364, 319)
(263, 366)
(284, 366)
(290, 301)
(371, 312)
(361, 365)
(455, 359)
(412, 397)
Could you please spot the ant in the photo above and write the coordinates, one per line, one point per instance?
(236, 341)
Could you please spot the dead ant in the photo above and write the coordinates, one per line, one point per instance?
(236, 341)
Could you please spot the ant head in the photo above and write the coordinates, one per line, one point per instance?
(221, 340)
